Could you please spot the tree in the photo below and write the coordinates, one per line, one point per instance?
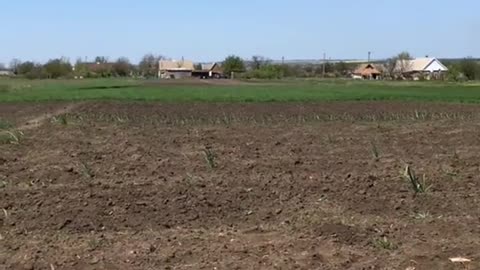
(398, 64)
(81, 68)
(233, 64)
(267, 71)
(293, 71)
(122, 67)
(343, 68)
(454, 72)
(14, 64)
(101, 59)
(259, 61)
(57, 68)
(148, 66)
(469, 68)
(25, 68)
(309, 69)
(404, 56)
(37, 72)
(28, 69)
(328, 67)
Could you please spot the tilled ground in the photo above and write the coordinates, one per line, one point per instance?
(228, 186)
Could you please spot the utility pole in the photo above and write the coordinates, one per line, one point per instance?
(369, 56)
(283, 60)
(324, 62)
(323, 66)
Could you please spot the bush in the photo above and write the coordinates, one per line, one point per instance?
(58, 68)
(470, 68)
(91, 75)
(233, 64)
(454, 74)
(38, 72)
(267, 72)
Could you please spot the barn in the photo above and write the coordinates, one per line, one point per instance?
(213, 70)
(171, 69)
(368, 72)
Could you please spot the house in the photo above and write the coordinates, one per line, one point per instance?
(368, 72)
(212, 70)
(6, 72)
(427, 68)
(171, 69)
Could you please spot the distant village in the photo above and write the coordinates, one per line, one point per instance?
(427, 68)
(400, 67)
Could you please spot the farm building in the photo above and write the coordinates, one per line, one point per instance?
(212, 70)
(427, 68)
(171, 69)
(368, 72)
(6, 72)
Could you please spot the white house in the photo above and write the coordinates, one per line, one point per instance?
(428, 67)
(6, 72)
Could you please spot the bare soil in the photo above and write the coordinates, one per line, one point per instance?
(288, 186)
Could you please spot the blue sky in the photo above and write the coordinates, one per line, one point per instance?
(211, 29)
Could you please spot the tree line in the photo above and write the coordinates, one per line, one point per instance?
(258, 67)
(263, 68)
(467, 69)
(101, 67)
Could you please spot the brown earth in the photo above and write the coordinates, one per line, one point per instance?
(294, 186)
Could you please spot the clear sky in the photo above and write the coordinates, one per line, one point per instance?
(209, 30)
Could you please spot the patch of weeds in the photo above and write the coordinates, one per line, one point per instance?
(192, 180)
(420, 115)
(10, 137)
(226, 120)
(4, 124)
(87, 170)
(94, 244)
(3, 184)
(375, 151)
(450, 172)
(418, 185)
(120, 120)
(330, 138)
(61, 119)
(384, 243)
(422, 215)
(306, 218)
(455, 155)
(210, 157)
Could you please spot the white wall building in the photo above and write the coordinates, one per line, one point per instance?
(429, 67)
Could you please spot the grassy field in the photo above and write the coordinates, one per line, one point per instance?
(18, 90)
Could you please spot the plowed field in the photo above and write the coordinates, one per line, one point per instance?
(232, 186)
